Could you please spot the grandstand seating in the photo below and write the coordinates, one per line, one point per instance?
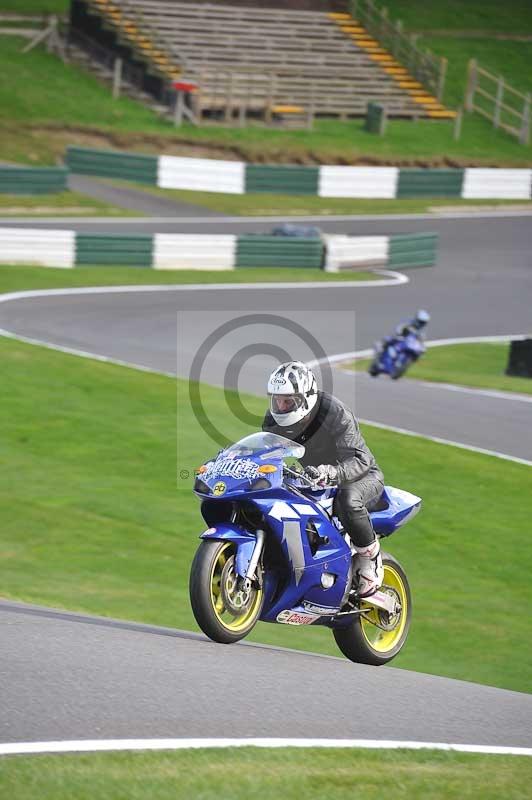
(266, 61)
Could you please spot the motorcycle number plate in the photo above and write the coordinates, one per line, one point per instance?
(296, 617)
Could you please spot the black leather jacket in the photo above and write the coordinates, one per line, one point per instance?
(331, 436)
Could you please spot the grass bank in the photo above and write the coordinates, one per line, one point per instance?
(94, 519)
(41, 117)
(64, 204)
(480, 366)
(477, 29)
(267, 774)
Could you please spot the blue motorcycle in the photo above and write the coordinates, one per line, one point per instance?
(396, 354)
(274, 551)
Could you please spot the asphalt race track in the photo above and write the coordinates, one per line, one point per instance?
(72, 677)
(63, 676)
(482, 286)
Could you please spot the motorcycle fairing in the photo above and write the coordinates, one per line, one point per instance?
(245, 540)
(401, 507)
(287, 517)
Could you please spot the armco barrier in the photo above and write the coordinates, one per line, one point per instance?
(281, 179)
(430, 182)
(214, 252)
(112, 164)
(131, 251)
(350, 252)
(378, 182)
(512, 184)
(235, 177)
(33, 180)
(201, 175)
(188, 251)
(412, 250)
(255, 250)
(38, 247)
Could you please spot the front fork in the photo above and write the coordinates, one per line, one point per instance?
(250, 575)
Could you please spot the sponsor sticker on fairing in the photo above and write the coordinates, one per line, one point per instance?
(289, 617)
(235, 468)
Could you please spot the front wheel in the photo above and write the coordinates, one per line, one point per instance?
(224, 610)
(401, 367)
(373, 368)
(375, 637)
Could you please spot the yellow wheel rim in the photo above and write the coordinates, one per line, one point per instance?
(224, 589)
(383, 641)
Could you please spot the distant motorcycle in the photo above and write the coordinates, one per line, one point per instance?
(275, 551)
(395, 354)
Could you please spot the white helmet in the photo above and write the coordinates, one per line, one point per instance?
(422, 317)
(293, 393)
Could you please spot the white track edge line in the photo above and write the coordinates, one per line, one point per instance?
(331, 359)
(353, 355)
(450, 442)
(391, 278)
(71, 351)
(101, 745)
(435, 216)
(497, 394)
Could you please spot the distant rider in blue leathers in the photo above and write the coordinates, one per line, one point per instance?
(335, 452)
(415, 326)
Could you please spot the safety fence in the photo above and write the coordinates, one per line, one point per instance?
(33, 180)
(168, 251)
(430, 70)
(237, 177)
(493, 98)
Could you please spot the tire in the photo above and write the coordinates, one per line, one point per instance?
(364, 642)
(401, 368)
(373, 369)
(214, 597)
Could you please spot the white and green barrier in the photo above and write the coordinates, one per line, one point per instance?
(40, 247)
(168, 251)
(398, 251)
(201, 174)
(32, 180)
(236, 177)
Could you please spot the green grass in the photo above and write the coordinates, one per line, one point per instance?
(507, 58)
(478, 365)
(40, 118)
(89, 499)
(35, 6)
(59, 203)
(444, 28)
(243, 774)
(14, 278)
(68, 95)
(514, 16)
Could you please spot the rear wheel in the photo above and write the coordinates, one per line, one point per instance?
(225, 610)
(376, 636)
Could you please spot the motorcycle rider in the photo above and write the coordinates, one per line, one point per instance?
(335, 452)
(415, 326)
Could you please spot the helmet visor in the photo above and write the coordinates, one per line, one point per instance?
(285, 403)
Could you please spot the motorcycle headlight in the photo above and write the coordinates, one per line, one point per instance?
(201, 487)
